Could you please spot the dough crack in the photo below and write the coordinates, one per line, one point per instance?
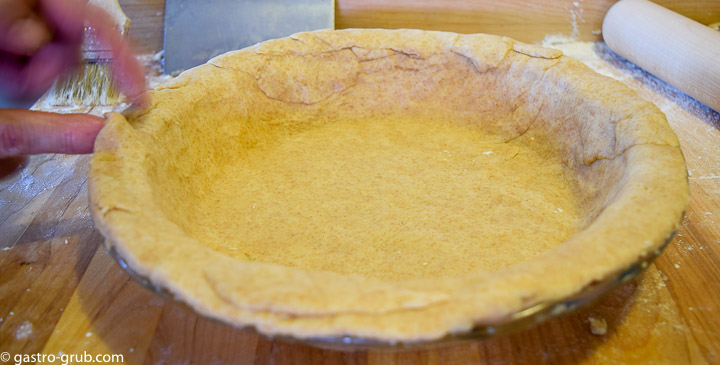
(529, 126)
(597, 158)
(474, 62)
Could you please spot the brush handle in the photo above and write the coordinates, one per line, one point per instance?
(684, 53)
(93, 49)
(113, 8)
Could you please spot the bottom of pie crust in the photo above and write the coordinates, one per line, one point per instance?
(392, 198)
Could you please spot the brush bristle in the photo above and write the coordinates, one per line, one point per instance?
(89, 84)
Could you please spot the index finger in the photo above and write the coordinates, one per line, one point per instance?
(25, 132)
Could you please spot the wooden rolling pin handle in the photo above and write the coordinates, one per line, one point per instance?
(684, 53)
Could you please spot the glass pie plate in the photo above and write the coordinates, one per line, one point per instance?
(518, 321)
(387, 188)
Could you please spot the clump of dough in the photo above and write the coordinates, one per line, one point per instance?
(598, 326)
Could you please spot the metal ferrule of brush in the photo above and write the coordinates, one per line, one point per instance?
(93, 49)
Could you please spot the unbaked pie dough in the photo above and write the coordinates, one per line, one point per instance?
(391, 198)
(395, 185)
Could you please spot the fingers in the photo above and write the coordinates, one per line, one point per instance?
(127, 71)
(25, 132)
(67, 18)
(33, 53)
(10, 166)
(22, 31)
(25, 36)
(41, 70)
(38, 42)
(31, 77)
(11, 74)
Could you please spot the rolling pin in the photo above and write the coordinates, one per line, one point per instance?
(678, 50)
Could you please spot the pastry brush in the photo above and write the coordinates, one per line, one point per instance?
(91, 82)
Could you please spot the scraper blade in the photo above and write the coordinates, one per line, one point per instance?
(196, 31)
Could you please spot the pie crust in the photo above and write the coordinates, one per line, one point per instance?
(397, 185)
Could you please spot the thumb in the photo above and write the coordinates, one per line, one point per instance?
(24, 132)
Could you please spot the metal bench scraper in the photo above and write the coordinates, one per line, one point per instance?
(196, 31)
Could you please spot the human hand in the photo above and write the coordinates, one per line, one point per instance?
(39, 40)
(24, 132)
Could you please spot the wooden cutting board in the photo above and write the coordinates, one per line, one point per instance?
(60, 292)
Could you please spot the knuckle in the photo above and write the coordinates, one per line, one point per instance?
(68, 141)
(13, 140)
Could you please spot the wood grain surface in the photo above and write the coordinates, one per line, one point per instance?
(524, 20)
(61, 293)
(527, 21)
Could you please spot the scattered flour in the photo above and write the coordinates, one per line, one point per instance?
(24, 331)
